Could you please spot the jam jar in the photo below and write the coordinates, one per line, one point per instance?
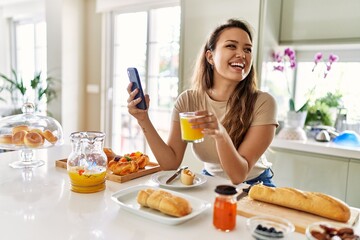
(224, 217)
(87, 163)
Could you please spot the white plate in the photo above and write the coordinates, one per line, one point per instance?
(127, 200)
(161, 177)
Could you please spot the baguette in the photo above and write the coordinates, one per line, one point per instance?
(164, 202)
(312, 202)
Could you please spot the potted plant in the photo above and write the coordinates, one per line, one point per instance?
(44, 90)
(323, 111)
(286, 60)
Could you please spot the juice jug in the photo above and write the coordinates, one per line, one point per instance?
(87, 163)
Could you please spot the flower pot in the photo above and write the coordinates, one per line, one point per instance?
(294, 126)
(295, 119)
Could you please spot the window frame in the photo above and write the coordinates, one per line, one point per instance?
(108, 66)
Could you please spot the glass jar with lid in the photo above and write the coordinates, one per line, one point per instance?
(27, 132)
(224, 216)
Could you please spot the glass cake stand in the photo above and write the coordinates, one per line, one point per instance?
(28, 132)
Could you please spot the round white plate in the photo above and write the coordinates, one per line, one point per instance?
(161, 177)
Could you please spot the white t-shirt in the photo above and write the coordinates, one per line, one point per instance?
(265, 111)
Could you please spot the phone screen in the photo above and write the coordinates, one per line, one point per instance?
(135, 79)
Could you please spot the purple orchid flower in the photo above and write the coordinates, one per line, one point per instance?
(333, 58)
(279, 68)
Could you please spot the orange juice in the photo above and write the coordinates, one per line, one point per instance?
(86, 181)
(188, 133)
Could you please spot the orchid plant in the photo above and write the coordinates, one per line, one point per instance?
(287, 60)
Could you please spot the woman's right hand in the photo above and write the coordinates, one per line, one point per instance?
(137, 113)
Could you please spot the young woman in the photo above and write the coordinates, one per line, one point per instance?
(237, 119)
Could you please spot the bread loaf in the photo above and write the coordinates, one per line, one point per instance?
(164, 202)
(312, 202)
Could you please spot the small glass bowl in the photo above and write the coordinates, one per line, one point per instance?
(319, 227)
(269, 227)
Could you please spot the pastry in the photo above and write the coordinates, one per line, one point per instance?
(20, 128)
(141, 159)
(312, 202)
(36, 130)
(187, 177)
(129, 163)
(123, 166)
(109, 154)
(18, 137)
(6, 139)
(164, 202)
(33, 139)
(49, 136)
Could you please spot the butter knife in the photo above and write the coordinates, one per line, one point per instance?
(175, 174)
(245, 191)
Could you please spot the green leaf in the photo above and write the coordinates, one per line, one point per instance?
(291, 104)
(15, 83)
(35, 81)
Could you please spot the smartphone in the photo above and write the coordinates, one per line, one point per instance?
(135, 79)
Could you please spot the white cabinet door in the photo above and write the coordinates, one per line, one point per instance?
(310, 172)
(309, 20)
(353, 187)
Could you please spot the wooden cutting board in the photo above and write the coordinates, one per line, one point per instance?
(248, 207)
(149, 169)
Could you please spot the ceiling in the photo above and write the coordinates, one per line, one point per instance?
(8, 2)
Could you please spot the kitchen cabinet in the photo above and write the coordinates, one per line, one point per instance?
(321, 20)
(310, 171)
(353, 189)
(314, 166)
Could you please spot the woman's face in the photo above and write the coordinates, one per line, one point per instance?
(232, 57)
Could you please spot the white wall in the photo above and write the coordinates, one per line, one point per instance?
(66, 44)
(53, 16)
(92, 57)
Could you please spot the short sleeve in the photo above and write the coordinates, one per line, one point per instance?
(265, 111)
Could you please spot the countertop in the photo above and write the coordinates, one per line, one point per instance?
(38, 204)
(312, 146)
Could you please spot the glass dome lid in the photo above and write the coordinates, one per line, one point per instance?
(28, 130)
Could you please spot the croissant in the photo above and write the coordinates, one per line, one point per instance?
(109, 154)
(123, 167)
(143, 161)
(164, 202)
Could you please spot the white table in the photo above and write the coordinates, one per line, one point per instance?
(39, 205)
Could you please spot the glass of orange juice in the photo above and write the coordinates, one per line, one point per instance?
(188, 133)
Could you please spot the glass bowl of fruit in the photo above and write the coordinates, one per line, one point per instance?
(330, 230)
(270, 227)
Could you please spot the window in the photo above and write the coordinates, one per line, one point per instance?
(149, 41)
(343, 78)
(30, 50)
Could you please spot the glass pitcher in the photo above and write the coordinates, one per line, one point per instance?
(87, 163)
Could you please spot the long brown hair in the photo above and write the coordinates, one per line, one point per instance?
(240, 105)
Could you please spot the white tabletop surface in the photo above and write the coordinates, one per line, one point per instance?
(39, 205)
